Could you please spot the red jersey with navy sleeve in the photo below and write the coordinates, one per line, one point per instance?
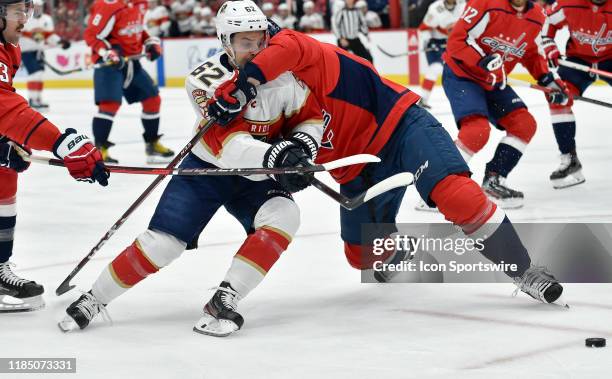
(19, 122)
(116, 24)
(590, 28)
(361, 109)
(494, 26)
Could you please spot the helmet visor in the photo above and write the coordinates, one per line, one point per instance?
(21, 11)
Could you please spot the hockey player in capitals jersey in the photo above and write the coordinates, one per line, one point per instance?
(115, 31)
(20, 125)
(282, 108)
(369, 114)
(38, 35)
(439, 20)
(491, 37)
(590, 43)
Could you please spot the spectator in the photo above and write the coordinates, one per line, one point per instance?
(381, 7)
(204, 24)
(157, 19)
(182, 17)
(311, 21)
(372, 18)
(287, 20)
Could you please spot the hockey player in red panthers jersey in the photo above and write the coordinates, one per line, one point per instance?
(491, 37)
(20, 125)
(116, 31)
(590, 43)
(369, 114)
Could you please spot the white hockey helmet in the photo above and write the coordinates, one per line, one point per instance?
(239, 16)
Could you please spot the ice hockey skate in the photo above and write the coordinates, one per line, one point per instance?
(18, 294)
(541, 285)
(569, 172)
(158, 153)
(220, 316)
(104, 151)
(39, 105)
(80, 313)
(494, 186)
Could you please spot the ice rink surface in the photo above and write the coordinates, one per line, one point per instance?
(311, 317)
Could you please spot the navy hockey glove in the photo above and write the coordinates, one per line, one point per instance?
(286, 153)
(273, 28)
(230, 97)
(560, 94)
(494, 64)
(83, 161)
(153, 48)
(10, 158)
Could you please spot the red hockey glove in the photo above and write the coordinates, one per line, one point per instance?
(551, 52)
(10, 158)
(153, 48)
(560, 94)
(230, 97)
(494, 64)
(81, 158)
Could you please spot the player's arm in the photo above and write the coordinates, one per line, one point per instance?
(555, 20)
(231, 144)
(462, 44)
(288, 51)
(100, 25)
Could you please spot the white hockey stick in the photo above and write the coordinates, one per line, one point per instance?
(395, 181)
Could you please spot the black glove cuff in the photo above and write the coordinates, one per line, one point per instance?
(307, 142)
(275, 151)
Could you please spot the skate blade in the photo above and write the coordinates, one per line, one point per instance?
(68, 325)
(569, 181)
(423, 207)
(507, 204)
(9, 304)
(211, 326)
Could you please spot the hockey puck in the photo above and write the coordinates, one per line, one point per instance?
(595, 342)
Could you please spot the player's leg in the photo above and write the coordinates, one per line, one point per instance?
(108, 87)
(445, 183)
(510, 114)
(185, 208)
(271, 219)
(569, 172)
(432, 73)
(34, 84)
(357, 47)
(143, 89)
(12, 286)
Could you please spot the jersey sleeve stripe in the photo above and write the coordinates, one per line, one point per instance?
(25, 142)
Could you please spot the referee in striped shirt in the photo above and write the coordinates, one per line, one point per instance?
(346, 25)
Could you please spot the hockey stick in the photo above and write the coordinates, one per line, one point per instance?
(97, 65)
(523, 83)
(408, 53)
(395, 181)
(585, 68)
(65, 286)
(332, 165)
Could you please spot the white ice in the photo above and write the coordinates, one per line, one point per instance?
(311, 317)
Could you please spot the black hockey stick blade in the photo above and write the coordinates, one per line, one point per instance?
(64, 287)
(395, 181)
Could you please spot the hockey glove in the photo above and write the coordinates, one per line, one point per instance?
(551, 52)
(10, 158)
(112, 58)
(560, 94)
(230, 97)
(273, 28)
(81, 158)
(153, 48)
(286, 153)
(494, 64)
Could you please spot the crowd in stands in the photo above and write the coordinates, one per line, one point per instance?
(185, 18)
